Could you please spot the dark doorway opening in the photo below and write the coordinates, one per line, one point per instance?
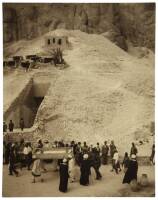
(48, 41)
(38, 100)
(59, 41)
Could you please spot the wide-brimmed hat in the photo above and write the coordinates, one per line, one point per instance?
(85, 156)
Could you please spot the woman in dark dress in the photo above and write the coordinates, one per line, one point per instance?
(132, 170)
(85, 170)
(63, 175)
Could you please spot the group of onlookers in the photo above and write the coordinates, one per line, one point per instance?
(11, 125)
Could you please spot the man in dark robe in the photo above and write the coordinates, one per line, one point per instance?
(11, 126)
(132, 170)
(105, 150)
(152, 155)
(7, 152)
(98, 149)
(112, 149)
(63, 176)
(40, 144)
(21, 124)
(12, 161)
(84, 148)
(4, 127)
(79, 154)
(96, 163)
(134, 150)
(4, 152)
(85, 170)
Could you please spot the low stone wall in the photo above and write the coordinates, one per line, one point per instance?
(27, 134)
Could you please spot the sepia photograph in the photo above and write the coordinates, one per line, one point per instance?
(78, 99)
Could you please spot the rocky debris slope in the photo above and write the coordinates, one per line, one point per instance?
(104, 94)
(118, 22)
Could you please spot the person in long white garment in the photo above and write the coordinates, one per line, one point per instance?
(71, 164)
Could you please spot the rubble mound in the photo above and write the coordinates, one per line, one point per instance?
(105, 93)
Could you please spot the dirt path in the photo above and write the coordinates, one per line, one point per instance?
(110, 185)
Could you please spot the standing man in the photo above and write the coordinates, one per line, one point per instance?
(21, 124)
(29, 155)
(152, 157)
(85, 148)
(40, 144)
(12, 160)
(112, 151)
(7, 152)
(71, 165)
(98, 148)
(85, 171)
(96, 163)
(11, 126)
(133, 149)
(132, 170)
(25, 152)
(116, 162)
(63, 176)
(105, 150)
(21, 152)
(4, 152)
(4, 127)
(36, 169)
(78, 155)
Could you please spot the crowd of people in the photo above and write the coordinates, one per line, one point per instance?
(86, 157)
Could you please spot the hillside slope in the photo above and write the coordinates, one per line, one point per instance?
(104, 94)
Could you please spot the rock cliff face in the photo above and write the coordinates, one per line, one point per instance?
(118, 22)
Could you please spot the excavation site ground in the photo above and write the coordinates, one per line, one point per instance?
(110, 185)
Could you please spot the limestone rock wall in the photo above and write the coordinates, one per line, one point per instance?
(138, 24)
(118, 22)
(14, 111)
